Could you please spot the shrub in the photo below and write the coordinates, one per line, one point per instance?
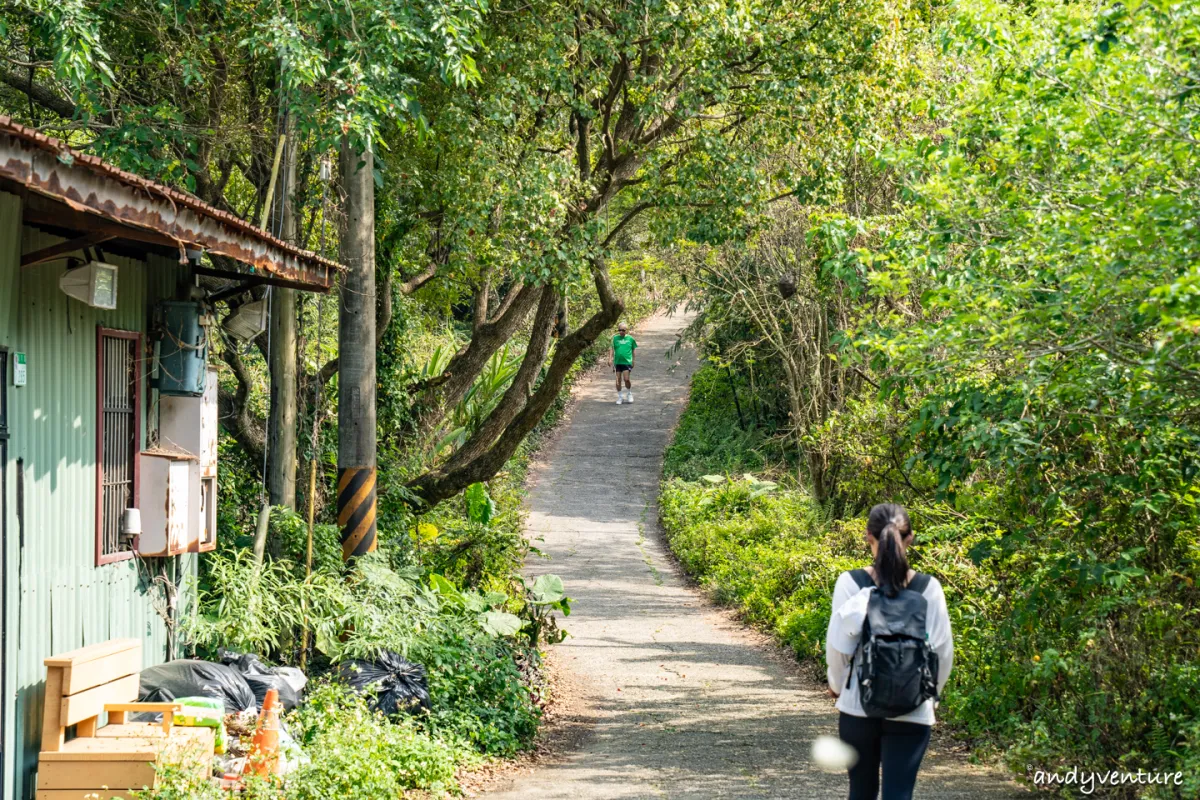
(710, 439)
(358, 754)
(477, 691)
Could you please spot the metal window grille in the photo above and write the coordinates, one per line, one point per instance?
(118, 394)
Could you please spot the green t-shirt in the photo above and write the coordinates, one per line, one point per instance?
(623, 347)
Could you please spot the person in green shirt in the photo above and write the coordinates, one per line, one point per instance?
(624, 355)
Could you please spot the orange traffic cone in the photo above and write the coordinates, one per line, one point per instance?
(264, 747)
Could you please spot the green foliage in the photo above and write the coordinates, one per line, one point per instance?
(1005, 326)
(542, 599)
(478, 693)
(353, 751)
(483, 396)
(646, 283)
(480, 506)
(1048, 377)
(479, 541)
(342, 68)
(173, 783)
(709, 438)
(359, 754)
(290, 531)
(769, 553)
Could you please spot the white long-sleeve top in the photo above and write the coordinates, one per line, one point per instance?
(842, 638)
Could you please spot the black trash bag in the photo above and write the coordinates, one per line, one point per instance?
(261, 678)
(261, 684)
(399, 686)
(247, 664)
(190, 678)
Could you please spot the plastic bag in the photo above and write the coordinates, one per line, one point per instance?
(261, 684)
(295, 678)
(261, 678)
(291, 757)
(191, 678)
(399, 686)
(247, 663)
(204, 712)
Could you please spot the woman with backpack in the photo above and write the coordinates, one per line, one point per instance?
(889, 649)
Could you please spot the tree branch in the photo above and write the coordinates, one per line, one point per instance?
(417, 281)
(625, 220)
(518, 391)
(440, 484)
(236, 415)
(43, 95)
(441, 396)
(479, 311)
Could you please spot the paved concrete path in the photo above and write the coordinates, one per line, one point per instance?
(678, 700)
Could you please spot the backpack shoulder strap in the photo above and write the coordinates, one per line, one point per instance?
(862, 578)
(919, 582)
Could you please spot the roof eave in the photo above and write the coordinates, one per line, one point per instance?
(91, 186)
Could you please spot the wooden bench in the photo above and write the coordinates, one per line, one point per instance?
(113, 759)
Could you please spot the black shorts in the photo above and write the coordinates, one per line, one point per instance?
(623, 367)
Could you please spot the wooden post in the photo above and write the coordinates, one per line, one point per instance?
(266, 209)
(308, 554)
(281, 449)
(260, 532)
(52, 727)
(356, 354)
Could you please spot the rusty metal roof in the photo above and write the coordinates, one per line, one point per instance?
(88, 184)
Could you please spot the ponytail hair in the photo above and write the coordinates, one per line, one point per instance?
(888, 524)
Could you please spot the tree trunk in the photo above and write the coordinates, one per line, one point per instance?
(281, 464)
(235, 412)
(466, 365)
(438, 485)
(518, 392)
(356, 353)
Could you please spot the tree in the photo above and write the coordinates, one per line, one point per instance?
(200, 102)
(518, 145)
(593, 116)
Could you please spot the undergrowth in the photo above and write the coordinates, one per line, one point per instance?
(1051, 662)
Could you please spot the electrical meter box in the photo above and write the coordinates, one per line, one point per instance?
(183, 350)
(164, 498)
(189, 424)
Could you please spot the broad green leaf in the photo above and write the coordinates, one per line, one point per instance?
(500, 623)
(548, 589)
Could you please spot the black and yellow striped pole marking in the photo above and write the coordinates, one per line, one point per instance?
(356, 510)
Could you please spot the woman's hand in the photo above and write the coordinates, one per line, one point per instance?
(832, 694)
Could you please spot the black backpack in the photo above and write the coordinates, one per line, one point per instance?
(897, 669)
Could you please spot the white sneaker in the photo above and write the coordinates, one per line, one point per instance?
(619, 400)
(628, 395)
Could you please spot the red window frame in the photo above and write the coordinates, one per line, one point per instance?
(101, 334)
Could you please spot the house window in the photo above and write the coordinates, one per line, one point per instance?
(118, 437)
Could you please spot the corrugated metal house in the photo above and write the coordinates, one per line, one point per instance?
(77, 404)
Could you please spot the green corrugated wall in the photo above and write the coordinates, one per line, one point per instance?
(56, 598)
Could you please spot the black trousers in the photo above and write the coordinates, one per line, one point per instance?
(897, 747)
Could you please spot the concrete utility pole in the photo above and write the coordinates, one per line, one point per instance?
(281, 458)
(356, 353)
